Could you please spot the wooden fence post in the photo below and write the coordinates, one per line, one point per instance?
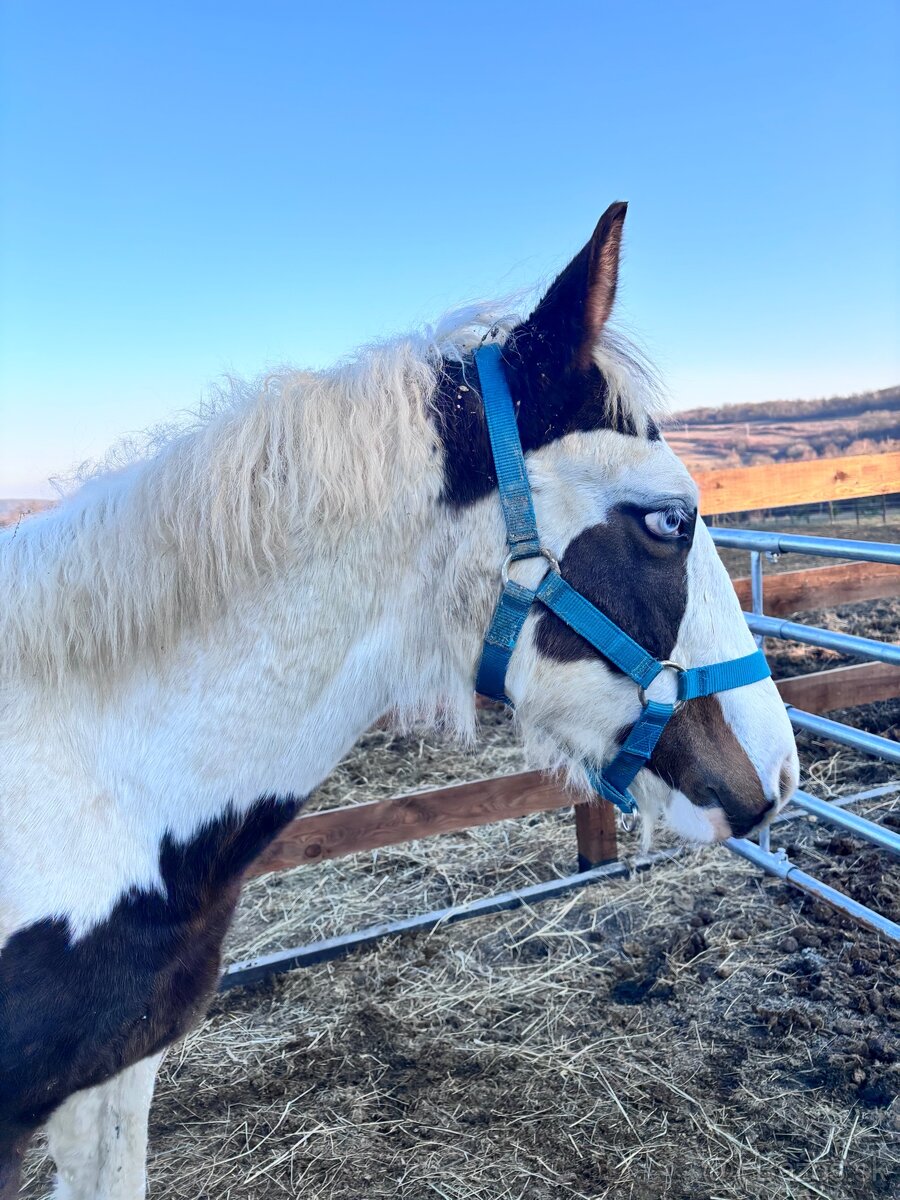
(595, 831)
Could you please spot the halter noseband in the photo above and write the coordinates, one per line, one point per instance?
(611, 781)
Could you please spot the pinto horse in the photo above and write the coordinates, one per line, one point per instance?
(190, 644)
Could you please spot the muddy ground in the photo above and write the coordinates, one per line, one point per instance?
(696, 1031)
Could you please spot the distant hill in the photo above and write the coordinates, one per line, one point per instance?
(787, 430)
(12, 511)
(888, 399)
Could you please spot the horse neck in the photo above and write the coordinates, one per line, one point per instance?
(269, 697)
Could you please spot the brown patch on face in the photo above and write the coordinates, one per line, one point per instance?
(636, 580)
(699, 755)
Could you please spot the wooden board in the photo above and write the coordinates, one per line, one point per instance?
(595, 831)
(355, 827)
(841, 687)
(819, 587)
(743, 489)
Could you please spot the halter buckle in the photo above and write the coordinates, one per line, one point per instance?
(543, 552)
(664, 662)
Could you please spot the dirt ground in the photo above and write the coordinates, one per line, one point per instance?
(696, 1031)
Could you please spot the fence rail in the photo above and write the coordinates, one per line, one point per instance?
(823, 587)
(374, 825)
(779, 485)
(846, 735)
(841, 687)
(800, 543)
(840, 817)
(780, 865)
(827, 639)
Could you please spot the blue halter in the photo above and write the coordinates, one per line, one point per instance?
(611, 781)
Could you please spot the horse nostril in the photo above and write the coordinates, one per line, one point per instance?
(743, 814)
(743, 825)
(708, 796)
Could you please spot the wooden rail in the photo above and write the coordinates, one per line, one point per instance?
(776, 485)
(355, 827)
(841, 687)
(822, 587)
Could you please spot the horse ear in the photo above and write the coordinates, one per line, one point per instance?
(565, 327)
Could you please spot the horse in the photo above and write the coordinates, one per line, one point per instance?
(193, 640)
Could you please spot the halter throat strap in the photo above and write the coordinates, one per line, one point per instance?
(613, 780)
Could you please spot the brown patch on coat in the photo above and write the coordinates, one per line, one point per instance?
(74, 1014)
(11, 1157)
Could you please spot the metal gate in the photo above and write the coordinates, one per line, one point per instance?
(776, 862)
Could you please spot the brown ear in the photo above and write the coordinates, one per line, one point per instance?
(571, 316)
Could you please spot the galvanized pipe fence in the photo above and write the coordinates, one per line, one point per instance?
(760, 543)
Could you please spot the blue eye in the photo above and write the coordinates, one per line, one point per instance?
(668, 523)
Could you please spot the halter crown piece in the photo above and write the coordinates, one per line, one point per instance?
(612, 643)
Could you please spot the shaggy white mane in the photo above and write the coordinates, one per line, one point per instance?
(143, 549)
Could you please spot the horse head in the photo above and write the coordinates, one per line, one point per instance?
(618, 519)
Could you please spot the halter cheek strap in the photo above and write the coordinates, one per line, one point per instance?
(613, 780)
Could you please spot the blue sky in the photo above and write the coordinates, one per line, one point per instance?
(191, 189)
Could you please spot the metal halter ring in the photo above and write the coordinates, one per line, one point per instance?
(627, 821)
(542, 553)
(664, 662)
